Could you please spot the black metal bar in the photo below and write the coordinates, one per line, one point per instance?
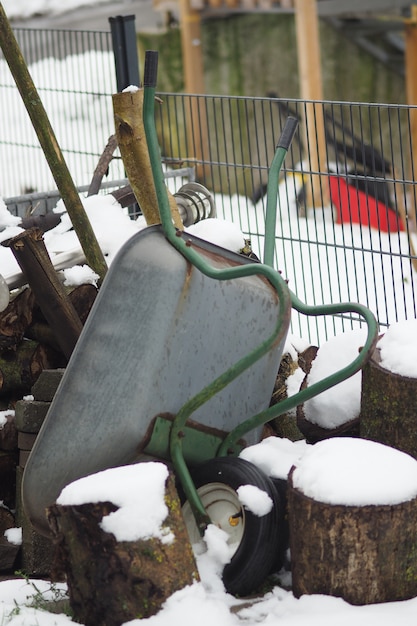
(125, 51)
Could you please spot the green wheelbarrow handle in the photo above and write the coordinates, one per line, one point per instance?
(287, 300)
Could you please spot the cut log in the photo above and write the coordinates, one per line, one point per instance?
(112, 582)
(20, 368)
(388, 407)
(82, 299)
(364, 554)
(31, 254)
(15, 319)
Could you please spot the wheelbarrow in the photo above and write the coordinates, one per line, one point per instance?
(177, 362)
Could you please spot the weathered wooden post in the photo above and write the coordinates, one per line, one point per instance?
(131, 139)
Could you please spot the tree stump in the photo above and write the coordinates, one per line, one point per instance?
(111, 582)
(388, 407)
(364, 554)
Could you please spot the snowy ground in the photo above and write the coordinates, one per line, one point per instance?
(24, 9)
(21, 601)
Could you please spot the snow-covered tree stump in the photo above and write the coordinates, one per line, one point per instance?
(353, 522)
(388, 406)
(122, 543)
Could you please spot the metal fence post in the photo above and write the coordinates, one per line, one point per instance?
(125, 51)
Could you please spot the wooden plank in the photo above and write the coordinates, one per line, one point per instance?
(338, 7)
(411, 75)
(410, 216)
(192, 55)
(309, 64)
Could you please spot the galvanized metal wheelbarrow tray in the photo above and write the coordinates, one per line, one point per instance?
(178, 358)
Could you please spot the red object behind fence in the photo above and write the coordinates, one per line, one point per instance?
(357, 207)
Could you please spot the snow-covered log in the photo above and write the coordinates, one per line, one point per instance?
(113, 579)
(352, 510)
(388, 406)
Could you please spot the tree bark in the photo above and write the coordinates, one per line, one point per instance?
(131, 138)
(20, 368)
(31, 254)
(113, 582)
(82, 299)
(388, 407)
(102, 166)
(15, 319)
(364, 554)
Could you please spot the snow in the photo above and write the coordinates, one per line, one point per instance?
(275, 455)
(221, 232)
(4, 415)
(80, 275)
(255, 500)
(356, 472)
(23, 9)
(14, 536)
(341, 403)
(135, 519)
(353, 471)
(397, 348)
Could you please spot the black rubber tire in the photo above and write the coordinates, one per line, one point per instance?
(260, 547)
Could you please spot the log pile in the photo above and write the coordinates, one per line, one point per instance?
(28, 344)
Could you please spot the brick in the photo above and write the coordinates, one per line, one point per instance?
(45, 387)
(30, 414)
(25, 441)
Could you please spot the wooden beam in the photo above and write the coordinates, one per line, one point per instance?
(309, 65)
(410, 33)
(338, 7)
(411, 73)
(192, 57)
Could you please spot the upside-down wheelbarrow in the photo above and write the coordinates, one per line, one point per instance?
(177, 361)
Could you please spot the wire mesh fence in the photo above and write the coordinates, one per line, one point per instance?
(346, 201)
(345, 214)
(74, 74)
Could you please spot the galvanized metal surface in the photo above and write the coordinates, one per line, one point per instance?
(158, 333)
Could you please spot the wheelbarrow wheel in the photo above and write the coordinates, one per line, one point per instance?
(255, 541)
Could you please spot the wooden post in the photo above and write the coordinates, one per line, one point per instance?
(411, 76)
(410, 34)
(130, 134)
(31, 254)
(192, 57)
(131, 139)
(309, 64)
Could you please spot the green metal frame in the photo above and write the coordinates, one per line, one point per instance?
(286, 297)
